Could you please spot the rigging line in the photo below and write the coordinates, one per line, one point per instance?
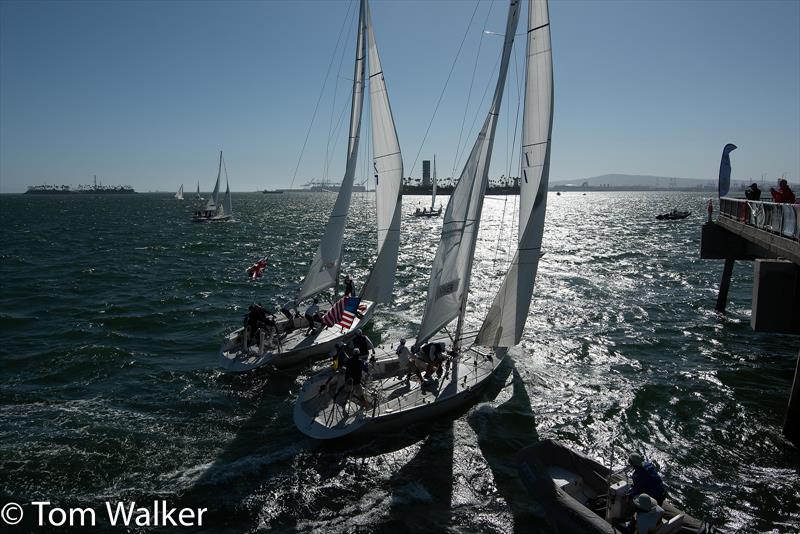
(326, 168)
(319, 98)
(335, 136)
(469, 94)
(447, 81)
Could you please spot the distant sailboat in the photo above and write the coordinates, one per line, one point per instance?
(197, 195)
(288, 345)
(214, 210)
(432, 212)
(456, 375)
(179, 194)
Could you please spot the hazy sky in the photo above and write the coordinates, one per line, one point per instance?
(146, 93)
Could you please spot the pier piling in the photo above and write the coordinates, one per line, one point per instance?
(791, 425)
(724, 285)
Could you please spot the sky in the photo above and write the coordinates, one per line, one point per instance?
(147, 93)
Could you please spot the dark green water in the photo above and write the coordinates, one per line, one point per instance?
(112, 310)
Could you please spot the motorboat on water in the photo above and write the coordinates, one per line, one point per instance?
(394, 394)
(214, 210)
(284, 346)
(673, 215)
(581, 495)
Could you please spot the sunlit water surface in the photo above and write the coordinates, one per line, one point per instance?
(112, 310)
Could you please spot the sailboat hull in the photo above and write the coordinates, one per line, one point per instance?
(325, 411)
(290, 349)
(429, 213)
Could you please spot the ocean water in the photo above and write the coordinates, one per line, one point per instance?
(112, 310)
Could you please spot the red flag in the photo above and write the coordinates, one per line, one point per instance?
(255, 270)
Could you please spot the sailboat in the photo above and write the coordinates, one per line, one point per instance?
(432, 212)
(216, 211)
(287, 345)
(179, 194)
(197, 195)
(326, 408)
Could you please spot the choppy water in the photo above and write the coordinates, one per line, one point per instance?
(112, 310)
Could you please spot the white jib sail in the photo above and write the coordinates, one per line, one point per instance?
(324, 268)
(198, 192)
(179, 194)
(452, 265)
(388, 166)
(505, 321)
(213, 202)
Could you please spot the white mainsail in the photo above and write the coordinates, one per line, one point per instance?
(213, 202)
(388, 165)
(179, 194)
(324, 269)
(433, 193)
(197, 195)
(506, 318)
(452, 265)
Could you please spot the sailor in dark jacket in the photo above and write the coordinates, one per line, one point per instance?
(646, 479)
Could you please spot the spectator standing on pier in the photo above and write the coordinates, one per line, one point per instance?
(752, 192)
(783, 195)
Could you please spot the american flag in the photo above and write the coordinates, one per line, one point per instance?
(343, 312)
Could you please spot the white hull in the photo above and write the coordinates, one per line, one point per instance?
(218, 218)
(287, 350)
(395, 402)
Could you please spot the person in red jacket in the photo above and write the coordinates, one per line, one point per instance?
(783, 194)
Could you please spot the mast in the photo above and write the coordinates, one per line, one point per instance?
(324, 268)
(452, 266)
(433, 194)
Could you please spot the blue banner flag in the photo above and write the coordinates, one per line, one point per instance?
(725, 170)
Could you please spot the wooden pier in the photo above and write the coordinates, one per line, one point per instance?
(767, 234)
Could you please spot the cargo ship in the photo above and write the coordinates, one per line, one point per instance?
(81, 189)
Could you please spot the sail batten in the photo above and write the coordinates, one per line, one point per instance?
(506, 318)
(324, 269)
(452, 265)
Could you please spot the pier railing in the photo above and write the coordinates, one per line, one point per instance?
(779, 219)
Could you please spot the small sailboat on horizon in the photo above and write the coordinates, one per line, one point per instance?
(179, 194)
(432, 212)
(214, 210)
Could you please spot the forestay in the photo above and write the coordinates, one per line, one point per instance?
(324, 268)
(388, 166)
(452, 265)
(506, 318)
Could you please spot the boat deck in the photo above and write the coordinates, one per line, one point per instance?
(327, 408)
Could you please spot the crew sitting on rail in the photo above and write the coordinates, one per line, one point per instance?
(313, 316)
(406, 360)
(355, 368)
(430, 358)
(363, 344)
(645, 479)
(783, 194)
(258, 318)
